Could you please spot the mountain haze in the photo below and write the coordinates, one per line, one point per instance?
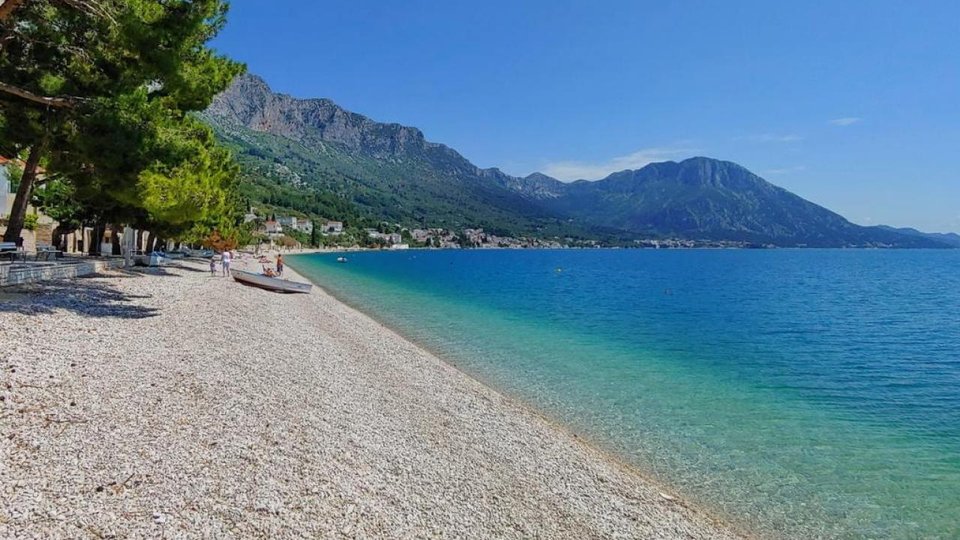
(952, 239)
(314, 157)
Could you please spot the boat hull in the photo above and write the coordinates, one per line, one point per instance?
(270, 283)
(151, 259)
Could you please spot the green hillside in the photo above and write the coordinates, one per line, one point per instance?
(310, 157)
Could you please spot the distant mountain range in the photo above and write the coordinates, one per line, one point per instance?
(951, 239)
(313, 157)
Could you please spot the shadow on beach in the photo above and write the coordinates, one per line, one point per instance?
(82, 296)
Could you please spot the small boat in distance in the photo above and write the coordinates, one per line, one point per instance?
(341, 259)
(270, 283)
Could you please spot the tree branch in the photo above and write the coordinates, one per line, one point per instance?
(93, 7)
(8, 7)
(58, 102)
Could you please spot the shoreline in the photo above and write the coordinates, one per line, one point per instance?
(664, 489)
(398, 441)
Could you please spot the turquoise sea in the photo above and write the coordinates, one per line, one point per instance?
(798, 393)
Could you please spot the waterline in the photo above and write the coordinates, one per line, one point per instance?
(746, 419)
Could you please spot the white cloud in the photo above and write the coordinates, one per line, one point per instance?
(576, 170)
(846, 121)
(771, 137)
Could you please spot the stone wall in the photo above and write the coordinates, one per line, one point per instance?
(43, 234)
(19, 273)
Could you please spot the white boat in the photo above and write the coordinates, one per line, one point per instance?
(151, 259)
(341, 259)
(270, 283)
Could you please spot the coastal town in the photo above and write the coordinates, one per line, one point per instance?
(271, 230)
(267, 229)
(299, 232)
(293, 231)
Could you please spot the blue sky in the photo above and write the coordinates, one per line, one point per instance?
(853, 105)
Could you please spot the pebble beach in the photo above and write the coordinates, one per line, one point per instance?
(167, 403)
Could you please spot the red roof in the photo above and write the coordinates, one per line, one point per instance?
(19, 162)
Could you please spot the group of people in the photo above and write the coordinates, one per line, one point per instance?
(227, 257)
(269, 272)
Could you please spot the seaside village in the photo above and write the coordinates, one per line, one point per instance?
(44, 239)
(284, 230)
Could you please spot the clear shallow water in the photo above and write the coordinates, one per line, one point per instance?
(798, 392)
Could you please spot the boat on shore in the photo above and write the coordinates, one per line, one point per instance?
(270, 283)
(154, 259)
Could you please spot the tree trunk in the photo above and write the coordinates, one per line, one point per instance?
(115, 232)
(91, 245)
(19, 211)
(56, 238)
(96, 239)
(9, 7)
(79, 238)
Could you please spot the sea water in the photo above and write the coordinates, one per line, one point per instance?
(797, 393)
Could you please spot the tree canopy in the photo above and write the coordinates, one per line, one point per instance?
(101, 92)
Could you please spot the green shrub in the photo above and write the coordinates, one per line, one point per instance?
(30, 222)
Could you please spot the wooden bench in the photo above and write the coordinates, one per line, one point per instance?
(9, 250)
(46, 251)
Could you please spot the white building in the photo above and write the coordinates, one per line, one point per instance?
(420, 235)
(4, 190)
(305, 226)
(273, 227)
(388, 238)
(333, 227)
(289, 222)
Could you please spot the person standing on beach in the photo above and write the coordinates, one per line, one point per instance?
(225, 258)
(279, 264)
(213, 266)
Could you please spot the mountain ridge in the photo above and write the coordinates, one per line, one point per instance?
(389, 171)
(953, 239)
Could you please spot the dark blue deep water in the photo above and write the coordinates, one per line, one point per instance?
(797, 392)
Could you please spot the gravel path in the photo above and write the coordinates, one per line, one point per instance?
(175, 404)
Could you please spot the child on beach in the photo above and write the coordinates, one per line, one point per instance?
(213, 266)
(279, 264)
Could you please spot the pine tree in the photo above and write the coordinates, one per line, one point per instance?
(73, 72)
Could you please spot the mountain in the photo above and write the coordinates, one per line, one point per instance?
(710, 199)
(314, 157)
(951, 239)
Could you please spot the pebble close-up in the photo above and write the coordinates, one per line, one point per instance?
(173, 404)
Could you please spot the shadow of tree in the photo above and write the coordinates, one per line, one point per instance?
(84, 297)
(153, 271)
(185, 268)
(169, 271)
